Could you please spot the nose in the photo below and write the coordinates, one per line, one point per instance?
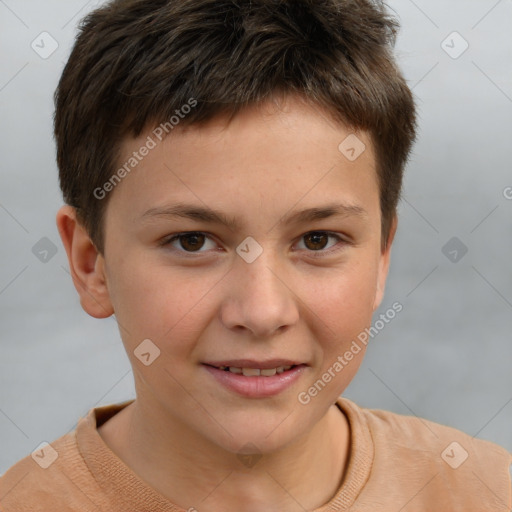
(259, 298)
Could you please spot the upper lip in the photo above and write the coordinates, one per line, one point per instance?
(251, 363)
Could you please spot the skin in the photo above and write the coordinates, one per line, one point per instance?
(183, 432)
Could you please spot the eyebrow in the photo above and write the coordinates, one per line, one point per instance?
(205, 214)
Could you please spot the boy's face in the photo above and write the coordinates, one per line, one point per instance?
(304, 299)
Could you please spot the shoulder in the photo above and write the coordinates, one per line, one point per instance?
(50, 478)
(420, 434)
(446, 466)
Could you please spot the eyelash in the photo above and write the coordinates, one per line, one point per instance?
(315, 254)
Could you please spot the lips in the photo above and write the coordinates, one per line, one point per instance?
(256, 379)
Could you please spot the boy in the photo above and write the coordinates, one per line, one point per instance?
(231, 171)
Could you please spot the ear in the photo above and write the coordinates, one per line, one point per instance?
(86, 264)
(384, 260)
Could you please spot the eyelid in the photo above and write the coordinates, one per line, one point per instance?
(342, 239)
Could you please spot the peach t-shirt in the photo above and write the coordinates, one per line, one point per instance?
(397, 463)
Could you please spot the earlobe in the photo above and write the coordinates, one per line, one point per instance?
(384, 265)
(86, 265)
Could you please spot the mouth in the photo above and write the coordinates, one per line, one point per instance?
(256, 379)
(256, 372)
(252, 368)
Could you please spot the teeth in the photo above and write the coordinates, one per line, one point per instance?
(251, 372)
(255, 372)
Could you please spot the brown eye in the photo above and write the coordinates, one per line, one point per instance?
(316, 241)
(191, 242)
(317, 245)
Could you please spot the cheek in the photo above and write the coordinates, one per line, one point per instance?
(170, 306)
(344, 300)
(343, 307)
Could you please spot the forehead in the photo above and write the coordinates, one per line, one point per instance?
(278, 154)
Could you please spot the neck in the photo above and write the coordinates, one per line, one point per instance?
(191, 472)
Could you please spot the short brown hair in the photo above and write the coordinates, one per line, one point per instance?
(135, 62)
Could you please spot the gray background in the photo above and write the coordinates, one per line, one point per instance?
(446, 357)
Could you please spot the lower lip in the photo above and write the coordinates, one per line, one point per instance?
(257, 386)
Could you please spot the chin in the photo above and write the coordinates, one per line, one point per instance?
(252, 436)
